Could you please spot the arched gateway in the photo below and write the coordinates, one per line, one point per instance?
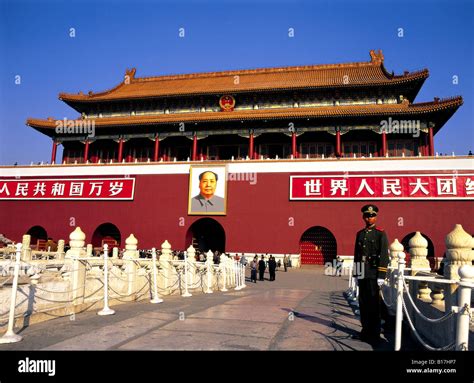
(317, 246)
(107, 233)
(206, 234)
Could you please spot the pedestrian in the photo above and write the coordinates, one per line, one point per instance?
(285, 262)
(243, 260)
(371, 257)
(261, 268)
(253, 269)
(272, 267)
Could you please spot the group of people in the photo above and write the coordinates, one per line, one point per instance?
(261, 266)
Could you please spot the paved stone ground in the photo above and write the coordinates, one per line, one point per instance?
(302, 310)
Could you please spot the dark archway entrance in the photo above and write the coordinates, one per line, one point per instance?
(37, 233)
(107, 232)
(207, 234)
(317, 246)
(431, 252)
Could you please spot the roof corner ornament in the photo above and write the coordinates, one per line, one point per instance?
(129, 75)
(376, 57)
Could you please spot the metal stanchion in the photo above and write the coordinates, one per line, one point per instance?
(209, 266)
(10, 336)
(399, 315)
(243, 276)
(224, 273)
(464, 307)
(106, 310)
(351, 271)
(237, 276)
(186, 292)
(156, 298)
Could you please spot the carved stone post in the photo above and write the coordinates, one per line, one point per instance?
(191, 252)
(459, 252)
(395, 248)
(131, 246)
(224, 271)
(131, 267)
(78, 268)
(418, 254)
(26, 248)
(437, 295)
(419, 262)
(61, 254)
(165, 260)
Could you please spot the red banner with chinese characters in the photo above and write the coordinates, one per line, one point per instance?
(390, 186)
(68, 189)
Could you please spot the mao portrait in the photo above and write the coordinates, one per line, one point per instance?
(207, 190)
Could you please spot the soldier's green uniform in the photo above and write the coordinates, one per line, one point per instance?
(371, 260)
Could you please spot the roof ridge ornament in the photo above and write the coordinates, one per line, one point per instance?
(129, 75)
(376, 57)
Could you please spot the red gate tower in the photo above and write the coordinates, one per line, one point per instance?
(271, 160)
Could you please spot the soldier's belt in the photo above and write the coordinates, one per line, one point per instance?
(368, 258)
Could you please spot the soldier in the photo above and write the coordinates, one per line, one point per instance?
(371, 255)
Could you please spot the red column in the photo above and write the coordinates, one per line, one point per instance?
(65, 156)
(86, 151)
(251, 154)
(53, 152)
(157, 149)
(120, 152)
(384, 144)
(338, 143)
(431, 142)
(423, 144)
(293, 145)
(195, 145)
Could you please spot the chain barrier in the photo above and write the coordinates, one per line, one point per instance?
(10, 278)
(394, 302)
(418, 337)
(410, 299)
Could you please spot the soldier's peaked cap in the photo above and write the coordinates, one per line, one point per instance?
(369, 209)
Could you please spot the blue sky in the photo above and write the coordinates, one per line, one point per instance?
(111, 36)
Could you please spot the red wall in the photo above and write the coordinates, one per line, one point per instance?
(257, 218)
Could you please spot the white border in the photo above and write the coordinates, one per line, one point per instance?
(70, 199)
(261, 166)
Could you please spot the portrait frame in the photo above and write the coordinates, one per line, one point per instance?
(194, 208)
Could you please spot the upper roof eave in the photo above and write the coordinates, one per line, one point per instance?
(271, 114)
